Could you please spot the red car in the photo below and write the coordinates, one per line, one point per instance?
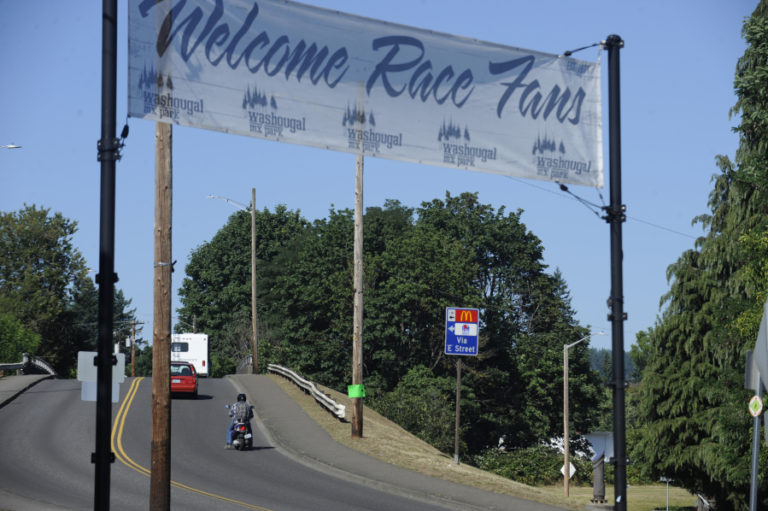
(183, 379)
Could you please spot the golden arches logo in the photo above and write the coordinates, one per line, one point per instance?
(466, 316)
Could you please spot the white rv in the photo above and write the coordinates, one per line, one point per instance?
(191, 348)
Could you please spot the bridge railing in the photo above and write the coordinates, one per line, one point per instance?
(324, 400)
(29, 361)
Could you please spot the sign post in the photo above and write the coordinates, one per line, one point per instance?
(753, 381)
(461, 338)
(461, 329)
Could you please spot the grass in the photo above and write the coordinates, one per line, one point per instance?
(385, 440)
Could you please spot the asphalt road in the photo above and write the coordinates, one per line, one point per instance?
(47, 435)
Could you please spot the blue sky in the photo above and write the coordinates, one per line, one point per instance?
(677, 70)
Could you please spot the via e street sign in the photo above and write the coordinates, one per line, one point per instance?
(461, 331)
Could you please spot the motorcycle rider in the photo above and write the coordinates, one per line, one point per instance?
(240, 411)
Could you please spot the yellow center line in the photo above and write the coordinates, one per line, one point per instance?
(117, 446)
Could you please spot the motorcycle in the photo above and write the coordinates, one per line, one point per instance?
(242, 439)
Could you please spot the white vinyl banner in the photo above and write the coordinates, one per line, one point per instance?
(290, 72)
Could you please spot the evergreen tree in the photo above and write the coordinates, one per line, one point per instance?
(693, 426)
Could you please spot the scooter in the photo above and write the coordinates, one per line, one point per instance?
(242, 439)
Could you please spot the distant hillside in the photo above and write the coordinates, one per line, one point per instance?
(600, 361)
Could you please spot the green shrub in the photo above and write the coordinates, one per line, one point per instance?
(422, 404)
(221, 366)
(539, 465)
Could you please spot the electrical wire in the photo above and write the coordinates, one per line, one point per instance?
(595, 208)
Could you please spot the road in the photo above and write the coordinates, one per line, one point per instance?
(47, 435)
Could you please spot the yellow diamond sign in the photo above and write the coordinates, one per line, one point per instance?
(755, 406)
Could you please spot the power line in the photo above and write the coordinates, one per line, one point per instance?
(591, 206)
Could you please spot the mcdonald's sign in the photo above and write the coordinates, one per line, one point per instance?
(461, 331)
(466, 315)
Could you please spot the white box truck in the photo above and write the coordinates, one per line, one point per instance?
(191, 348)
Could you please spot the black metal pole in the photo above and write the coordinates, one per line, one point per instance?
(458, 412)
(108, 147)
(754, 481)
(616, 215)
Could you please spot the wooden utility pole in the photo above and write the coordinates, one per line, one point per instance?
(254, 313)
(160, 480)
(133, 350)
(357, 322)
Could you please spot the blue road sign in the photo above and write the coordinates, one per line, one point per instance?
(461, 331)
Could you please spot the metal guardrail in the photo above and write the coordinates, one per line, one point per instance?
(26, 361)
(326, 402)
(11, 367)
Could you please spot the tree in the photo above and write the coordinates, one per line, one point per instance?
(40, 277)
(639, 355)
(15, 340)
(526, 319)
(44, 285)
(692, 425)
(310, 300)
(216, 294)
(143, 361)
(452, 252)
(408, 287)
(38, 265)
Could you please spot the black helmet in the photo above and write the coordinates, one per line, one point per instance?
(241, 397)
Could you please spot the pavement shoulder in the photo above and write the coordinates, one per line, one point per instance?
(12, 386)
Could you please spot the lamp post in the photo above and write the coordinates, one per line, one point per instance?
(566, 432)
(254, 313)
(10, 146)
(667, 480)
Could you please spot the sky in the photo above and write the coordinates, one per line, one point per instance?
(677, 69)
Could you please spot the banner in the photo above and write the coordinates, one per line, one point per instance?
(290, 72)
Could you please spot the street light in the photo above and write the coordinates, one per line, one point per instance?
(566, 439)
(10, 146)
(667, 480)
(254, 314)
